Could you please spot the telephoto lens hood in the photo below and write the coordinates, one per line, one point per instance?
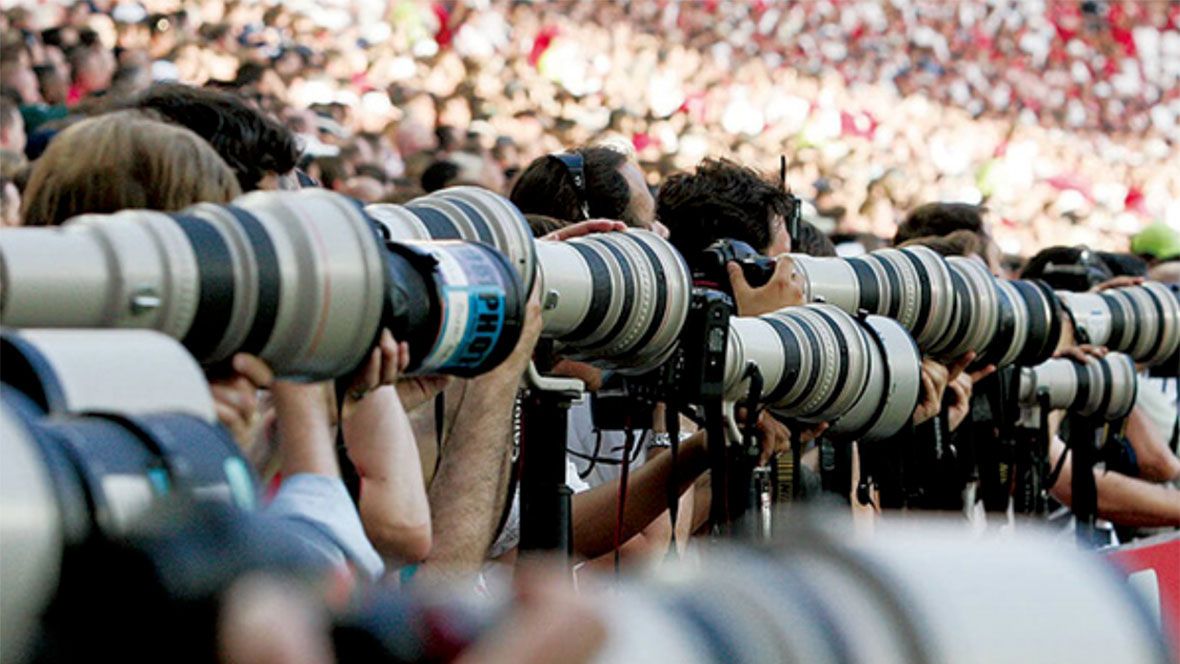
(304, 280)
(1142, 321)
(1104, 388)
(104, 371)
(818, 363)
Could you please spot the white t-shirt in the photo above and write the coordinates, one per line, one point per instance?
(1157, 400)
(590, 462)
(598, 455)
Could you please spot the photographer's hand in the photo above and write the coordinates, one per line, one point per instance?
(935, 376)
(585, 228)
(1118, 282)
(776, 437)
(386, 361)
(1083, 353)
(235, 397)
(960, 389)
(785, 289)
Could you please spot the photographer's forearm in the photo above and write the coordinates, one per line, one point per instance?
(1124, 500)
(393, 504)
(595, 511)
(305, 429)
(467, 493)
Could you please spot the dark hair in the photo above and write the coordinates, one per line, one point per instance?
(721, 199)
(439, 174)
(1067, 268)
(251, 143)
(543, 225)
(374, 171)
(1123, 265)
(447, 138)
(546, 187)
(812, 241)
(959, 243)
(941, 219)
(332, 170)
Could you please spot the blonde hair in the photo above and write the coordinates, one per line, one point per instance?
(124, 160)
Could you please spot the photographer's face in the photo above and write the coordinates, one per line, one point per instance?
(780, 240)
(642, 207)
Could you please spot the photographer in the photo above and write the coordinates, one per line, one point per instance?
(722, 199)
(1125, 500)
(174, 168)
(123, 160)
(470, 455)
(594, 182)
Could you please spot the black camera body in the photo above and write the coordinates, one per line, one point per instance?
(709, 269)
(693, 375)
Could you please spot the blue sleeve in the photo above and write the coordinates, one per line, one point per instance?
(318, 510)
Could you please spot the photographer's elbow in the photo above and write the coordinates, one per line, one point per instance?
(410, 543)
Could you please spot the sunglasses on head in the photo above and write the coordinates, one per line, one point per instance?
(576, 167)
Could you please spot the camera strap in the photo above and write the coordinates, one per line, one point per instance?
(719, 513)
(348, 472)
(624, 475)
(672, 426)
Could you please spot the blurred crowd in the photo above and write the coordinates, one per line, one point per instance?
(1062, 118)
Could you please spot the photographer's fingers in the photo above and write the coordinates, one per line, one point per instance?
(1118, 282)
(239, 398)
(368, 377)
(1074, 353)
(254, 369)
(981, 373)
(776, 438)
(585, 228)
(959, 365)
(960, 390)
(811, 433)
(403, 357)
(737, 281)
(231, 419)
(390, 359)
(926, 404)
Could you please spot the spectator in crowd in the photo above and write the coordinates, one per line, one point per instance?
(12, 127)
(608, 186)
(131, 161)
(93, 68)
(256, 147)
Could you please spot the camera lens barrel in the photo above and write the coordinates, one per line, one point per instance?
(1102, 387)
(306, 280)
(820, 364)
(89, 371)
(617, 300)
(912, 285)
(1142, 321)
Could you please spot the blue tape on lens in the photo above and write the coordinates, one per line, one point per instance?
(485, 322)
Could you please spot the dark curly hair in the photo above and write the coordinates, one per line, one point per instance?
(251, 143)
(721, 199)
(546, 187)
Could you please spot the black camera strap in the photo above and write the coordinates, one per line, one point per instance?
(719, 512)
(672, 426)
(1083, 489)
